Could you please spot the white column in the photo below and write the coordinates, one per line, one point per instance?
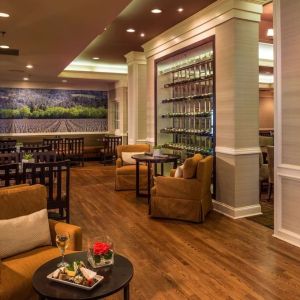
(287, 121)
(137, 97)
(237, 149)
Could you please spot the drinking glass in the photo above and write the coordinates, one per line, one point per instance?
(62, 242)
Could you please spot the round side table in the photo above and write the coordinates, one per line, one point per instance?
(116, 277)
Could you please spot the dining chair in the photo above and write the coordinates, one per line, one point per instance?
(35, 148)
(270, 151)
(57, 145)
(9, 174)
(56, 177)
(9, 158)
(7, 143)
(109, 151)
(73, 149)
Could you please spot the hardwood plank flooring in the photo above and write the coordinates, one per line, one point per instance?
(219, 259)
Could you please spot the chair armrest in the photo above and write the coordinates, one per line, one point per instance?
(178, 188)
(74, 231)
(119, 163)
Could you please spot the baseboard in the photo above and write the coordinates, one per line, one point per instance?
(237, 212)
(288, 236)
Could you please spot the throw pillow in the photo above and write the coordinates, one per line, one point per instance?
(179, 172)
(24, 233)
(126, 157)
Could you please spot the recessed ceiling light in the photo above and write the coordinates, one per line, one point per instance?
(180, 9)
(96, 58)
(130, 30)
(156, 11)
(4, 15)
(4, 46)
(64, 81)
(142, 34)
(105, 28)
(26, 78)
(29, 66)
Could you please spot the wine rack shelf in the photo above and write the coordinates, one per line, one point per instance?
(185, 101)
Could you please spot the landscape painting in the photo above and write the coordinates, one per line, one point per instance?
(26, 111)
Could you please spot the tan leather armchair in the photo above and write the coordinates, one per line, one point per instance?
(181, 198)
(125, 173)
(16, 271)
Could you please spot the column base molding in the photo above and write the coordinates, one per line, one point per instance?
(238, 151)
(237, 212)
(288, 236)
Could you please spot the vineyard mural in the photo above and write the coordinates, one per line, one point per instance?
(52, 110)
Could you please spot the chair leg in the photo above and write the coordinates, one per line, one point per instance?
(270, 191)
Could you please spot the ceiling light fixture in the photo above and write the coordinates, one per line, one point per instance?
(29, 66)
(270, 32)
(142, 34)
(96, 58)
(156, 11)
(180, 9)
(4, 15)
(130, 30)
(26, 78)
(4, 46)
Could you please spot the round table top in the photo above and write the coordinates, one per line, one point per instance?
(154, 159)
(116, 277)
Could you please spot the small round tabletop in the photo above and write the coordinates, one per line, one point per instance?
(155, 159)
(116, 277)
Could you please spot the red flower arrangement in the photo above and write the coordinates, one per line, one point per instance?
(101, 248)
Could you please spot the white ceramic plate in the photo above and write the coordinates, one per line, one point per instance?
(88, 288)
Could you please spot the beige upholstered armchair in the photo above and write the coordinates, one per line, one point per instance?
(126, 167)
(16, 271)
(187, 198)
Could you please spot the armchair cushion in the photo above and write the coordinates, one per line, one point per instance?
(17, 272)
(190, 166)
(24, 233)
(126, 157)
(179, 188)
(131, 170)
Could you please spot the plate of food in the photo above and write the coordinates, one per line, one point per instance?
(77, 275)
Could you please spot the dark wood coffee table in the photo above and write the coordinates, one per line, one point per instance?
(116, 277)
(149, 159)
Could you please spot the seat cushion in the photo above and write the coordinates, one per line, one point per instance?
(17, 272)
(92, 149)
(130, 170)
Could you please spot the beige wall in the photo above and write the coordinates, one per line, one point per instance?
(287, 121)
(83, 85)
(266, 109)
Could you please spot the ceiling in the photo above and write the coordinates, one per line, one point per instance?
(115, 42)
(53, 34)
(50, 34)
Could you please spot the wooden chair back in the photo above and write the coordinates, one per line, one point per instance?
(8, 150)
(9, 158)
(57, 145)
(48, 156)
(110, 144)
(74, 149)
(270, 151)
(7, 143)
(56, 177)
(35, 148)
(9, 174)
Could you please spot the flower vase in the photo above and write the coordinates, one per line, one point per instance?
(100, 252)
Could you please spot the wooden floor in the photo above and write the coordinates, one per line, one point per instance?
(220, 259)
